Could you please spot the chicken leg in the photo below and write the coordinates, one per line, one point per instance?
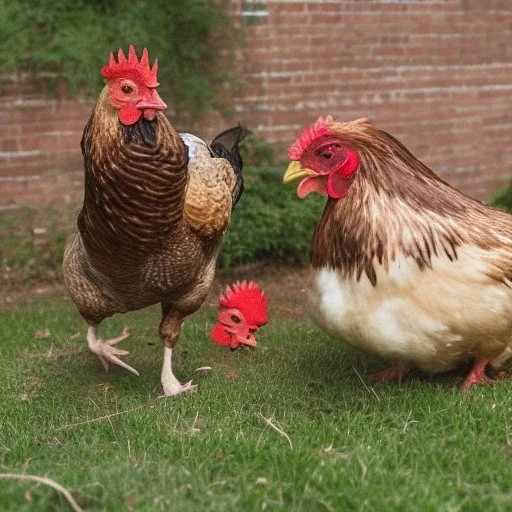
(106, 351)
(396, 372)
(169, 332)
(476, 375)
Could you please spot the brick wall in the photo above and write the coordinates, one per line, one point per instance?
(40, 158)
(436, 74)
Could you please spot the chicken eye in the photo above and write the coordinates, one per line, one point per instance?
(126, 89)
(235, 319)
(328, 152)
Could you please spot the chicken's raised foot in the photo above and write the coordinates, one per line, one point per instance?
(105, 350)
(394, 373)
(476, 375)
(124, 334)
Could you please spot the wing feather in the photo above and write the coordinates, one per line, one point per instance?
(215, 181)
(208, 202)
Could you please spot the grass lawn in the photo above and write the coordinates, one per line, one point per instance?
(117, 445)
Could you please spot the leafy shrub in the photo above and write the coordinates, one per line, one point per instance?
(270, 222)
(67, 41)
(256, 152)
(504, 198)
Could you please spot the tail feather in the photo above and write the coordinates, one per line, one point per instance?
(225, 145)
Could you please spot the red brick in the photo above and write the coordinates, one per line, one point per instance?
(437, 75)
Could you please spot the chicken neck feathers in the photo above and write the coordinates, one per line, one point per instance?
(396, 207)
(134, 187)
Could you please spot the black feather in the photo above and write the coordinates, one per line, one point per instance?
(142, 132)
(225, 145)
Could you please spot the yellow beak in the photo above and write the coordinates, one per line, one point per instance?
(295, 171)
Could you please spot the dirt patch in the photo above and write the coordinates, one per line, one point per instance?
(32, 385)
(13, 296)
(283, 285)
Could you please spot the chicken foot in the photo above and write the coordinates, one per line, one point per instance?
(476, 375)
(172, 386)
(169, 332)
(105, 350)
(396, 372)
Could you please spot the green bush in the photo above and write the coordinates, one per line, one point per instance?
(256, 152)
(504, 198)
(270, 222)
(67, 41)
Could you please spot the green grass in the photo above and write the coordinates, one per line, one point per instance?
(419, 446)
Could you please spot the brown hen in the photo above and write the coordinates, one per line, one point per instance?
(156, 207)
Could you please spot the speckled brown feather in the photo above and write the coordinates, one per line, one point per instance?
(134, 246)
(209, 203)
(398, 206)
(135, 192)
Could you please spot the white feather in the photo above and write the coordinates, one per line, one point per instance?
(196, 146)
(433, 318)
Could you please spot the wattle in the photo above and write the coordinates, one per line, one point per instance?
(312, 184)
(149, 114)
(219, 335)
(129, 114)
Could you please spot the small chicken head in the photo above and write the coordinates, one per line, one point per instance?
(132, 86)
(243, 310)
(325, 163)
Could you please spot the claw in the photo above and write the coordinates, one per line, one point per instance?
(172, 386)
(395, 373)
(105, 364)
(115, 360)
(124, 334)
(107, 353)
(476, 375)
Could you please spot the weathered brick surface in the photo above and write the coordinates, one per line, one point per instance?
(436, 74)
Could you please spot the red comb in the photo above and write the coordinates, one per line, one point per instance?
(249, 299)
(131, 67)
(309, 135)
